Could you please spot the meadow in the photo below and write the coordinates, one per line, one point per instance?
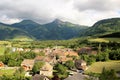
(98, 66)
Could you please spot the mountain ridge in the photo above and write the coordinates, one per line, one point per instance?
(54, 30)
(104, 26)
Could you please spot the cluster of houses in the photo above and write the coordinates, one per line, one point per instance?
(51, 57)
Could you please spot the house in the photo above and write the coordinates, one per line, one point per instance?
(37, 50)
(39, 58)
(71, 53)
(1, 64)
(49, 59)
(27, 50)
(27, 64)
(46, 70)
(77, 76)
(63, 59)
(19, 49)
(47, 51)
(80, 64)
(39, 77)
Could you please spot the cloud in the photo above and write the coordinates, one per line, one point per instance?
(97, 5)
(85, 12)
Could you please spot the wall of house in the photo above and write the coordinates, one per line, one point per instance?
(46, 73)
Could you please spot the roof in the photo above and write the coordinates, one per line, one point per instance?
(71, 53)
(47, 59)
(39, 58)
(28, 62)
(38, 77)
(77, 76)
(43, 58)
(64, 59)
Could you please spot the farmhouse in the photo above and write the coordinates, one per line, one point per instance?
(46, 70)
(27, 64)
(80, 64)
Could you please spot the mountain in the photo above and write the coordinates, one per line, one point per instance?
(26, 25)
(63, 30)
(111, 35)
(102, 27)
(51, 31)
(7, 32)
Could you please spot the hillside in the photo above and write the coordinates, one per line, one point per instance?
(51, 31)
(112, 35)
(106, 26)
(7, 32)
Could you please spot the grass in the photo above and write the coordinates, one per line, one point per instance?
(22, 38)
(2, 49)
(104, 40)
(98, 66)
(98, 40)
(113, 39)
(7, 71)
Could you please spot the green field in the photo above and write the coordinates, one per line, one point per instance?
(98, 40)
(22, 38)
(98, 66)
(7, 71)
(104, 40)
(2, 49)
(113, 39)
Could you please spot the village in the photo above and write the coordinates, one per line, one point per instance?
(51, 57)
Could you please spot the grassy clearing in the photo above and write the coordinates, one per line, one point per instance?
(2, 49)
(4, 43)
(104, 40)
(98, 40)
(113, 39)
(7, 71)
(22, 38)
(98, 66)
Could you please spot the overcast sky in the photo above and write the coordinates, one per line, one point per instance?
(84, 12)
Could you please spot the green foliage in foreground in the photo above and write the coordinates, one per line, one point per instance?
(108, 75)
(7, 71)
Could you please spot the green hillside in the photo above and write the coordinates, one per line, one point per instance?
(106, 26)
(55, 30)
(7, 32)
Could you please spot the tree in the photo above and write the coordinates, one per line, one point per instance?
(115, 54)
(108, 75)
(70, 64)
(61, 69)
(37, 66)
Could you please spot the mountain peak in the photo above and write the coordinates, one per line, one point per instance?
(58, 21)
(28, 22)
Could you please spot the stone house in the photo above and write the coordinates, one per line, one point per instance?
(27, 64)
(50, 59)
(80, 64)
(46, 70)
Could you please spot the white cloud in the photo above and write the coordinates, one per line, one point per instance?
(85, 12)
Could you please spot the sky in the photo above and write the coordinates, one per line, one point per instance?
(83, 12)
